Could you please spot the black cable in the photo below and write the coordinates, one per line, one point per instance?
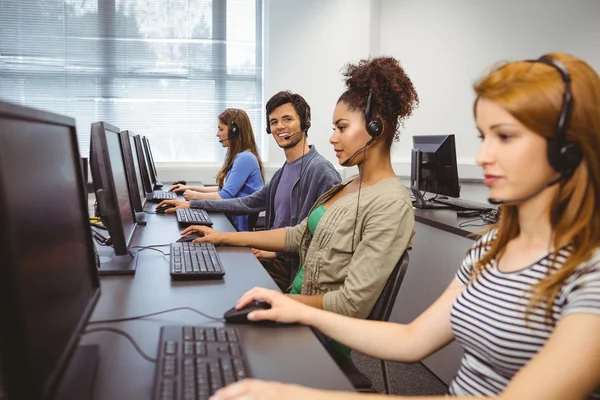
(141, 248)
(108, 321)
(127, 336)
(358, 197)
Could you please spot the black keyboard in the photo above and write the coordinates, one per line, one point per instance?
(463, 204)
(158, 196)
(195, 261)
(196, 361)
(193, 216)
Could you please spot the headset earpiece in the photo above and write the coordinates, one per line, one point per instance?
(373, 124)
(234, 129)
(563, 156)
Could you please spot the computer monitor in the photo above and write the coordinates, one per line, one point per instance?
(143, 165)
(112, 196)
(433, 169)
(132, 171)
(150, 163)
(48, 280)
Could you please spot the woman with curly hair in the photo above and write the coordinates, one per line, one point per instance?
(525, 303)
(357, 231)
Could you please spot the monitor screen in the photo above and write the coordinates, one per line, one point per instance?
(110, 185)
(136, 167)
(437, 169)
(132, 179)
(149, 160)
(48, 279)
(146, 182)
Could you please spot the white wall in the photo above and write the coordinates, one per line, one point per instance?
(446, 45)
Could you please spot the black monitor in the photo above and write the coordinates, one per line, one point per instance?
(112, 196)
(143, 165)
(48, 279)
(132, 171)
(150, 163)
(433, 169)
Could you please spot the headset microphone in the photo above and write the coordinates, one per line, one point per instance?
(223, 140)
(530, 196)
(292, 135)
(345, 163)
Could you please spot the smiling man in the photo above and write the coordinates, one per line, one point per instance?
(292, 191)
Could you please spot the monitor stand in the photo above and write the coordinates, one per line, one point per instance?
(158, 185)
(141, 218)
(112, 264)
(421, 203)
(79, 376)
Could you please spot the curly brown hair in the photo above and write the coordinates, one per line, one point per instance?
(394, 96)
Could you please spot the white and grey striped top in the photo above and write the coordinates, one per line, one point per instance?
(488, 317)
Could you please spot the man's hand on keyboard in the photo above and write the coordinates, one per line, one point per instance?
(263, 254)
(176, 203)
(209, 235)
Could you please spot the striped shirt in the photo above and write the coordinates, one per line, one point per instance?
(488, 317)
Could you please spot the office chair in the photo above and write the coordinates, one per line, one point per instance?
(252, 222)
(381, 312)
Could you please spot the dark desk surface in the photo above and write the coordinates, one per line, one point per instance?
(281, 353)
(448, 221)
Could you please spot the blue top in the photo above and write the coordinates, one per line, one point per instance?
(283, 195)
(243, 179)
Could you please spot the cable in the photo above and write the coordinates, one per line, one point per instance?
(108, 321)
(358, 198)
(141, 248)
(127, 336)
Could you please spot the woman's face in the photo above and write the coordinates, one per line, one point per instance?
(513, 158)
(223, 134)
(349, 134)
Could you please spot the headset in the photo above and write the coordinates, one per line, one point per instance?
(373, 124)
(563, 156)
(234, 129)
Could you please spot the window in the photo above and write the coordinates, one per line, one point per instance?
(163, 69)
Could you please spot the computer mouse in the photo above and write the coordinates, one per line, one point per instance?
(234, 316)
(189, 238)
(180, 183)
(163, 208)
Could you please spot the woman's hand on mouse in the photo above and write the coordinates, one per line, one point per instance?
(283, 309)
(175, 203)
(178, 188)
(209, 235)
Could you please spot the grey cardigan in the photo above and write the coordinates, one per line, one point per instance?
(352, 279)
(318, 176)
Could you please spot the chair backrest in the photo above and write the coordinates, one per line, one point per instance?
(252, 219)
(385, 303)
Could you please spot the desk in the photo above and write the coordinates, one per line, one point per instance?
(439, 247)
(283, 353)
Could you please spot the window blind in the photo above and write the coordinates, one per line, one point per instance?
(161, 68)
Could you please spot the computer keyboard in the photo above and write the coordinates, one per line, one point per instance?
(462, 204)
(196, 361)
(193, 216)
(195, 261)
(158, 196)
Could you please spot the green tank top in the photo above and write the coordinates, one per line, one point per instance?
(313, 220)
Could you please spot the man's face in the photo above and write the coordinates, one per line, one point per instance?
(285, 126)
